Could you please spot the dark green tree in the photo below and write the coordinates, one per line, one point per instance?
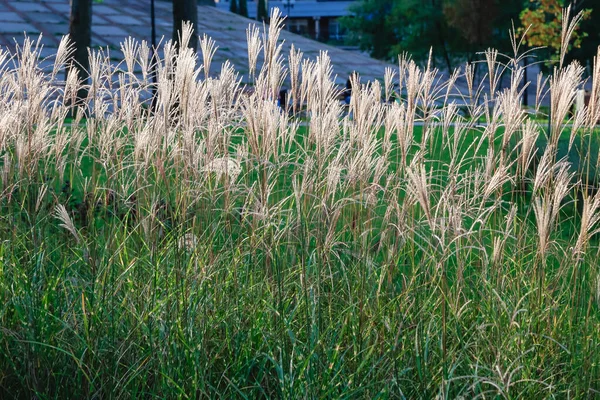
(185, 11)
(454, 30)
(421, 27)
(588, 48)
(386, 28)
(370, 27)
(261, 11)
(233, 6)
(243, 8)
(80, 33)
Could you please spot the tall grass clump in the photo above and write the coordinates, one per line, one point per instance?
(211, 244)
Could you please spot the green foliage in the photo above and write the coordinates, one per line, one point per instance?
(137, 307)
(542, 22)
(240, 8)
(453, 29)
(243, 8)
(371, 27)
(261, 10)
(218, 246)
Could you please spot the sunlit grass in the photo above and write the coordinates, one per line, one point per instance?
(219, 247)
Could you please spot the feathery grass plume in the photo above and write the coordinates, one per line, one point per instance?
(563, 90)
(188, 242)
(414, 84)
(389, 129)
(500, 177)
(323, 206)
(368, 113)
(30, 148)
(262, 119)
(403, 60)
(99, 71)
(514, 116)
(72, 86)
(62, 139)
(294, 63)
(209, 48)
(322, 104)
(547, 205)
(270, 37)
(334, 171)
(273, 60)
(306, 83)
(395, 116)
(578, 121)
(545, 168)
(499, 242)
(143, 60)
(568, 27)
(40, 197)
(469, 75)
(418, 187)
(448, 116)
(224, 166)
(542, 210)
(63, 53)
(429, 90)
(388, 79)
(28, 74)
(540, 93)
(494, 75)
(109, 144)
(60, 213)
(594, 103)
(562, 186)
(186, 75)
(531, 132)
(589, 221)
(450, 85)
(5, 58)
(130, 49)
(254, 48)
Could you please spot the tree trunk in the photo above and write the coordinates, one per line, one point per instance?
(261, 12)
(243, 9)
(185, 10)
(80, 33)
(443, 46)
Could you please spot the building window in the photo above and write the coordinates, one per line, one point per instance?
(298, 25)
(336, 31)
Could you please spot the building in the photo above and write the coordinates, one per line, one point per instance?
(316, 19)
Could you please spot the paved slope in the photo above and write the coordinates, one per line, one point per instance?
(114, 20)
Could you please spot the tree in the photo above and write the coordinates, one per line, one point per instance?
(185, 11)
(243, 8)
(80, 33)
(473, 20)
(453, 29)
(370, 27)
(542, 21)
(422, 28)
(386, 28)
(591, 26)
(240, 8)
(261, 11)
